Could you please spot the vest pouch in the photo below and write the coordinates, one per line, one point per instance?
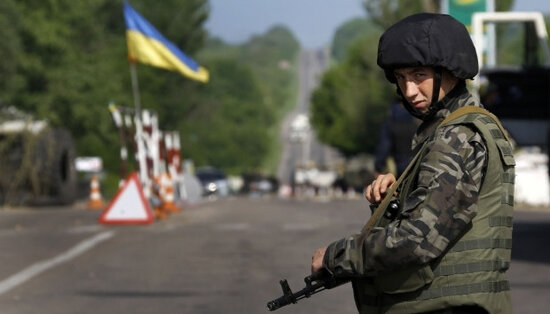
(406, 280)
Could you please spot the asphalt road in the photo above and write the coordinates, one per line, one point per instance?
(225, 256)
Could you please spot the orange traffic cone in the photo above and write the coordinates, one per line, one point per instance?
(167, 193)
(156, 200)
(96, 201)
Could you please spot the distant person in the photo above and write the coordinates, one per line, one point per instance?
(491, 97)
(395, 140)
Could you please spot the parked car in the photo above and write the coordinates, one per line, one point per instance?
(258, 184)
(213, 181)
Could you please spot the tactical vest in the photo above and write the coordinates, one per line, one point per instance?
(473, 270)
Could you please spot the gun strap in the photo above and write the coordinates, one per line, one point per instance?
(471, 109)
(381, 209)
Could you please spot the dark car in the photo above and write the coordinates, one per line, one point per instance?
(255, 183)
(213, 181)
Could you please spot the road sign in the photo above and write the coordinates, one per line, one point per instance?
(462, 10)
(129, 206)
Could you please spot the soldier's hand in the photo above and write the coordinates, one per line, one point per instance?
(317, 260)
(375, 191)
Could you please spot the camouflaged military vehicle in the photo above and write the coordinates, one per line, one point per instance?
(36, 161)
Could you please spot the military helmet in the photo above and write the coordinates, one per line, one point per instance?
(428, 39)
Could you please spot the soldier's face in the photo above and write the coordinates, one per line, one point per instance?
(416, 85)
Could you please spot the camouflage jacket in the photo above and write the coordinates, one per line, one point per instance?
(450, 178)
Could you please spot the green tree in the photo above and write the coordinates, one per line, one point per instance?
(266, 55)
(351, 101)
(269, 61)
(386, 12)
(504, 5)
(347, 34)
(10, 48)
(64, 61)
(226, 130)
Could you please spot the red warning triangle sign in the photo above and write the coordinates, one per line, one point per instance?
(129, 206)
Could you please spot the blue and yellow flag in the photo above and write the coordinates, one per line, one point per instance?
(148, 46)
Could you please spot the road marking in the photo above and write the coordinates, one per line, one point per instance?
(39, 267)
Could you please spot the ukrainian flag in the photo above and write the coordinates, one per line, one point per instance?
(148, 46)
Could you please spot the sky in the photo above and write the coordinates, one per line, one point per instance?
(313, 22)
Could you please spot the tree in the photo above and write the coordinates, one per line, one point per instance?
(347, 34)
(245, 100)
(504, 5)
(386, 12)
(349, 105)
(64, 60)
(10, 48)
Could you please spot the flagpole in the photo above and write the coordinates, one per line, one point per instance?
(135, 87)
(139, 136)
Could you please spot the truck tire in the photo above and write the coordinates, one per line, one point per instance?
(54, 156)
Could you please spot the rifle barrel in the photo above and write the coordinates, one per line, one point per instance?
(287, 299)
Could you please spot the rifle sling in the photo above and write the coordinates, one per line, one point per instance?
(380, 210)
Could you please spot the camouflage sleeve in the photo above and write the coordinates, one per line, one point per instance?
(437, 211)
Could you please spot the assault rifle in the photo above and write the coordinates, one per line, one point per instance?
(389, 207)
(314, 283)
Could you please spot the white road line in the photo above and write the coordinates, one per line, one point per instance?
(39, 267)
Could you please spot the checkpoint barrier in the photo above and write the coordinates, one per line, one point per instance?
(157, 153)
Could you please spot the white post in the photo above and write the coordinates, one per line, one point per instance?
(154, 147)
(141, 157)
(180, 178)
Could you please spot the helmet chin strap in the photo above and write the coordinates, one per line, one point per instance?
(438, 73)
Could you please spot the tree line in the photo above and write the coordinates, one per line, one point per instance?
(65, 60)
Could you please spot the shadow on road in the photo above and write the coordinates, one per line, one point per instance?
(529, 242)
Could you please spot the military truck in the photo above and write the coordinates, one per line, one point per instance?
(518, 93)
(36, 161)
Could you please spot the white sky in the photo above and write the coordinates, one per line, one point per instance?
(313, 22)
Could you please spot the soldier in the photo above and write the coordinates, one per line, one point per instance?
(447, 248)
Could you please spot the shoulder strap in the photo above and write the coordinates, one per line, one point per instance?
(375, 217)
(460, 112)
